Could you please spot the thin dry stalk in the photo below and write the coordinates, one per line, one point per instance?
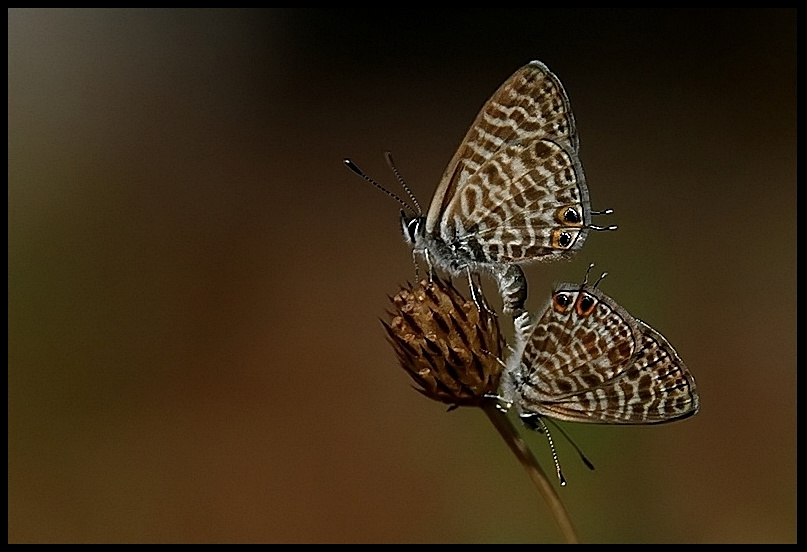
(452, 351)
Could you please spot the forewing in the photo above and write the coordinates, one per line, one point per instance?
(531, 105)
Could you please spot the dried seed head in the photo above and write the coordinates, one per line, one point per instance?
(445, 343)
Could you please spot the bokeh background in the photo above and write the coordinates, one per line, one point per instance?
(196, 281)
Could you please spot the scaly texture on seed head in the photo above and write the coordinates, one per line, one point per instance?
(446, 344)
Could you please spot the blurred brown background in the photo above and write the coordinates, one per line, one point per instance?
(195, 279)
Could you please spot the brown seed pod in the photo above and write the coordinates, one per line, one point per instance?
(449, 347)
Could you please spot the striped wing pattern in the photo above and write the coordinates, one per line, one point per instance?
(587, 360)
(507, 193)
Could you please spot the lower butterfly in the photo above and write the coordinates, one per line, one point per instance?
(586, 359)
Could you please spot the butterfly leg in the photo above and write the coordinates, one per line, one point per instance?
(522, 325)
(477, 295)
(417, 265)
(428, 262)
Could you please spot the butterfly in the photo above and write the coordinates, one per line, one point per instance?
(586, 359)
(514, 191)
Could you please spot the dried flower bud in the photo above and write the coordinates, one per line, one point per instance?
(445, 343)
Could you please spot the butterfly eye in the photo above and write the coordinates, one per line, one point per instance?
(585, 304)
(411, 227)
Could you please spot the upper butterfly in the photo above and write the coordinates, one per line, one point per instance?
(513, 192)
(586, 359)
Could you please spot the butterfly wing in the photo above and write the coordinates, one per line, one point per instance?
(657, 387)
(528, 202)
(506, 194)
(580, 342)
(596, 363)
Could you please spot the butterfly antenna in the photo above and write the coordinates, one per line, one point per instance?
(612, 227)
(352, 166)
(600, 279)
(585, 278)
(552, 448)
(585, 460)
(392, 166)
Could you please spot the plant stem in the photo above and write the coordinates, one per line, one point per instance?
(526, 458)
